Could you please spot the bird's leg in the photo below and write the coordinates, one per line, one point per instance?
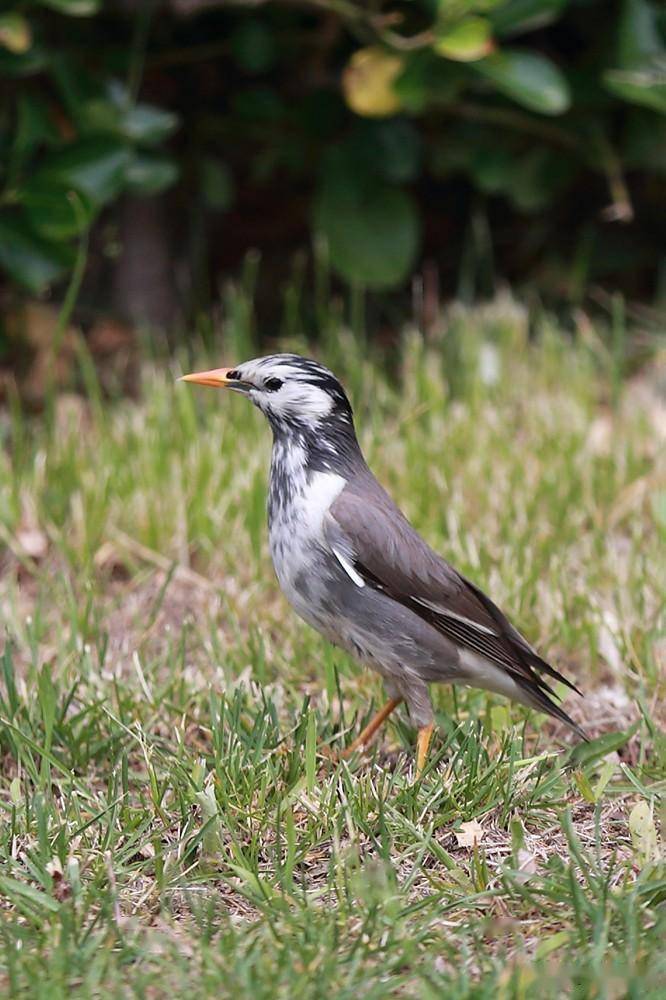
(422, 744)
(369, 731)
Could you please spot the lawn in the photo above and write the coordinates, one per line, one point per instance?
(169, 826)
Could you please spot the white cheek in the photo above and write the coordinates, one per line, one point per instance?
(307, 404)
(261, 400)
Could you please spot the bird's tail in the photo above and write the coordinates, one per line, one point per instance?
(525, 685)
(541, 696)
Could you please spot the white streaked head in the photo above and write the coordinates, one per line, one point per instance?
(291, 390)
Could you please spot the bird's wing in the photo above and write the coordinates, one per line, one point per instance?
(378, 547)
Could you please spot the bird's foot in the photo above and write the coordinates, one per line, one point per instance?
(422, 745)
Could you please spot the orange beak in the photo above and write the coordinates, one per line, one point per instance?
(216, 377)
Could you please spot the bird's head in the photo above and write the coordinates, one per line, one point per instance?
(295, 393)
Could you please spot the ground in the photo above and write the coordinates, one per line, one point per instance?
(169, 822)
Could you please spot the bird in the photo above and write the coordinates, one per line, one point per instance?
(355, 569)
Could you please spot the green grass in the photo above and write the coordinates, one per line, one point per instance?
(167, 825)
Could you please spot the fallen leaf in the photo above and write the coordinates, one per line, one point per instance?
(527, 865)
(470, 833)
(643, 832)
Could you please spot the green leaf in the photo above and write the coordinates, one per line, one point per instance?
(148, 124)
(98, 114)
(638, 35)
(48, 701)
(149, 174)
(260, 888)
(11, 887)
(516, 16)
(585, 753)
(139, 123)
(94, 166)
(466, 41)
(527, 78)
(15, 793)
(35, 125)
(74, 84)
(29, 259)
(551, 943)
(641, 75)
(34, 128)
(638, 86)
(11, 700)
(371, 227)
(15, 33)
(55, 212)
(584, 786)
(75, 8)
(605, 774)
(311, 752)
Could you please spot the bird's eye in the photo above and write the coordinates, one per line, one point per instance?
(273, 384)
(234, 375)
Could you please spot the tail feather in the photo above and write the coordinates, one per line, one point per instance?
(539, 663)
(519, 644)
(523, 685)
(542, 701)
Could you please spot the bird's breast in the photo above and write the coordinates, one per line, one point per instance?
(297, 505)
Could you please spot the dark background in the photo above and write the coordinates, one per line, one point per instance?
(147, 148)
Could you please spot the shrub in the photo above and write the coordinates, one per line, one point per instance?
(526, 138)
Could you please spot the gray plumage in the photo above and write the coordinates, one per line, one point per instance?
(355, 569)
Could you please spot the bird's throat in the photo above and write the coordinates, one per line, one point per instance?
(301, 453)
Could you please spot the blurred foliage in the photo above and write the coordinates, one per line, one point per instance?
(73, 137)
(523, 138)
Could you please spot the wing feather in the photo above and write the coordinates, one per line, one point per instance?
(387, 553)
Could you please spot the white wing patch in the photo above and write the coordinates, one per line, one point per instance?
(441, 610)
(348, 568)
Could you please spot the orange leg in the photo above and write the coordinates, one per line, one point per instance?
(422, 744)
(366, 734)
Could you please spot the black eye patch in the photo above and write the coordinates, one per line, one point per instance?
(273, 384)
